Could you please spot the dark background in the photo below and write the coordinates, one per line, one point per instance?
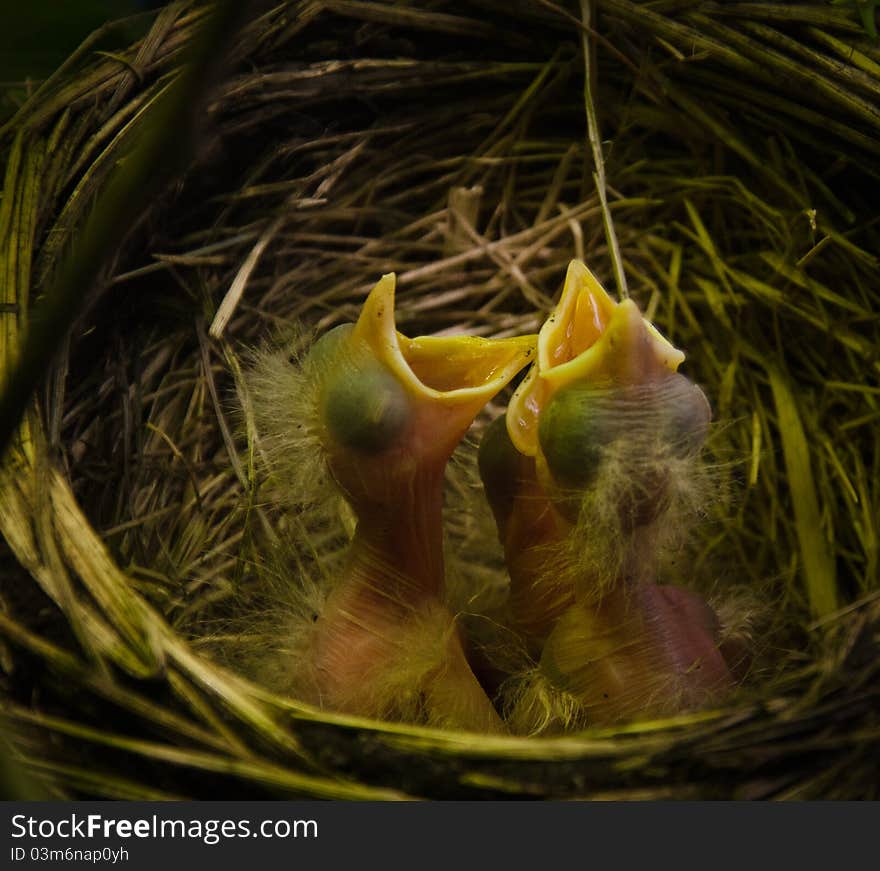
(36, 36)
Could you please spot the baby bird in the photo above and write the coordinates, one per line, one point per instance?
(386, 413)
(597, 452)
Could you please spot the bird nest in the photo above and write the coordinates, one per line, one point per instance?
(728, 171)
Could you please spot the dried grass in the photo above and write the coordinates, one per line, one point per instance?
(349, 139)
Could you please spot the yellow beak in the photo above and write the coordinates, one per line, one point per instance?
(457, 374)
(589, 338)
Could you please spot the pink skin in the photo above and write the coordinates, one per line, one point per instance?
(537, 599)
(645, 650)
(686, 630)
(394, 571)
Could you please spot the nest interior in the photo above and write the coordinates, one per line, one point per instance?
(450, 143)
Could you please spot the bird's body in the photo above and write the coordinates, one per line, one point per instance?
(597, 449)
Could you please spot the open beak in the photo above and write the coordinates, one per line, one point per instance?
(454, 376)
(589, 338)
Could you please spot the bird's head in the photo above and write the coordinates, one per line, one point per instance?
(605, 400)
(392, 408)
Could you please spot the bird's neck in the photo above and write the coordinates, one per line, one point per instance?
(398, 546)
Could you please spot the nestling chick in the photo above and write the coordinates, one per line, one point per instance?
(386, 413)
(597, 453)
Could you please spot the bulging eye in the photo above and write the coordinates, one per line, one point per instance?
(686, 416)
(364, 407)
(574, 429)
